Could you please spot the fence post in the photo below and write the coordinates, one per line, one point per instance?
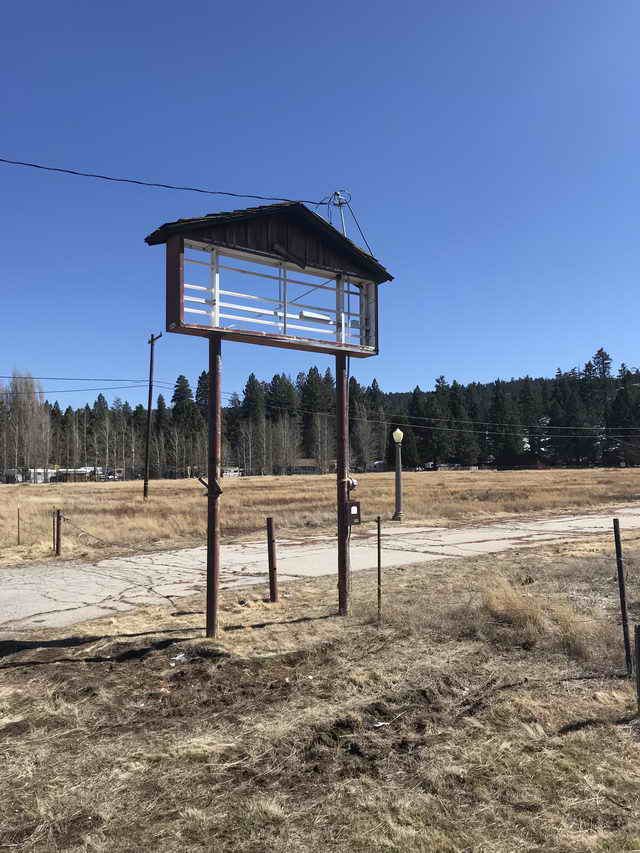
(273, 563)
(623, 597)
(379, 524)
(58, 532)
(637, 639)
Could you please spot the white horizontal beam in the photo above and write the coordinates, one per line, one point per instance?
(275, 323)
(251, 257)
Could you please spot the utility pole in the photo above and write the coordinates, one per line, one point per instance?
(151, 343)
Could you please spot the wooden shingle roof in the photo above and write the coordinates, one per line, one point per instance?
(286, 230)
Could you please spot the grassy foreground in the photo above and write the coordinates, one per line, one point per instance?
(175, 514)
(485, 715)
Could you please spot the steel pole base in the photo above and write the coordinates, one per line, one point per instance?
(397, 516)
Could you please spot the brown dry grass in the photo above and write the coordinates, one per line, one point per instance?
(483, 716)
(175, 514)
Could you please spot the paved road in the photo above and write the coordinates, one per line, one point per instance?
(56, 594)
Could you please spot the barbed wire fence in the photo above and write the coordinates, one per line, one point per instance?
(395, 541)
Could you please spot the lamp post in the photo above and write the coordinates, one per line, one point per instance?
(397, 437)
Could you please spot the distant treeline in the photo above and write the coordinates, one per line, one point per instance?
(579, 417)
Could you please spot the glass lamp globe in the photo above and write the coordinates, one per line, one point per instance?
(398, 435)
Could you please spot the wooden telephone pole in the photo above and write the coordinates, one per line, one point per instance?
(145, 490)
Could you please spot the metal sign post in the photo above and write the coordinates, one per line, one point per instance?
(214, 490)
(342, 485)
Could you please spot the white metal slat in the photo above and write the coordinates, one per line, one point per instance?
(347, 327)
(274, 323)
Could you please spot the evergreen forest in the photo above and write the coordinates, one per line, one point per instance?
(580, 417)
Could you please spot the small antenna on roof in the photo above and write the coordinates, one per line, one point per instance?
(340, 199)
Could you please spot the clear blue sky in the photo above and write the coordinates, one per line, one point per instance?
(491, 149)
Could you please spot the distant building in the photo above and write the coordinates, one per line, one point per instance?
(305, 466)
(77, 475)
(29, 475)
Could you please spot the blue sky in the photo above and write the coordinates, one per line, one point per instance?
(490, 148)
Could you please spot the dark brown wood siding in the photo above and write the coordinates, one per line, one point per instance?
(175, 282)
(265, 233)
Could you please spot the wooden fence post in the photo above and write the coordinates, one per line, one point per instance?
(623, 597)
(379, 525)
(58, 532)
(273, 563)
(637, 639)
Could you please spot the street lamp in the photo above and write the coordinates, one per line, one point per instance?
(398, 435)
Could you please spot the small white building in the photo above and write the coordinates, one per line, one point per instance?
(28, 475)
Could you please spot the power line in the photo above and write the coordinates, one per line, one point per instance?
(390, 419)
(71, 390)
(167, 384)
(394, 418)
(81, 379)
(156, 184)
(360, 229)
(523, 426)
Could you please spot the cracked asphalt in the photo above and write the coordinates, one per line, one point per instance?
(60, 593)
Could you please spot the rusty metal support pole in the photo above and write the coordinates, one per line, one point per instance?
(213, 492)
(58, 532)
(145, 489)
(53, 519)
(18, 524)
(273, 563)
(379, 525)
(342, 489)
(623, 597)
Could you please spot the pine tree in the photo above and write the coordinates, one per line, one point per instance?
(253, 403)
(181, 392)
(255, 426)
(530, 413)
(619, 445)
(465, 445)
(281, 397)
(417, 416)
(602, 363)
(162, 419)
(375, 397)
(438, 438)
(505, 432)
(202, 395)
(311, 405)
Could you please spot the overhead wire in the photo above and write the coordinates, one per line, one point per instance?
(156, 184)
(360, 229)
(162, 385)
(80, 379)
(393, 418)
(74, 390)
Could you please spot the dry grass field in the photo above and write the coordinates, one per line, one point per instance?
(487, 715)
(175, 516)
